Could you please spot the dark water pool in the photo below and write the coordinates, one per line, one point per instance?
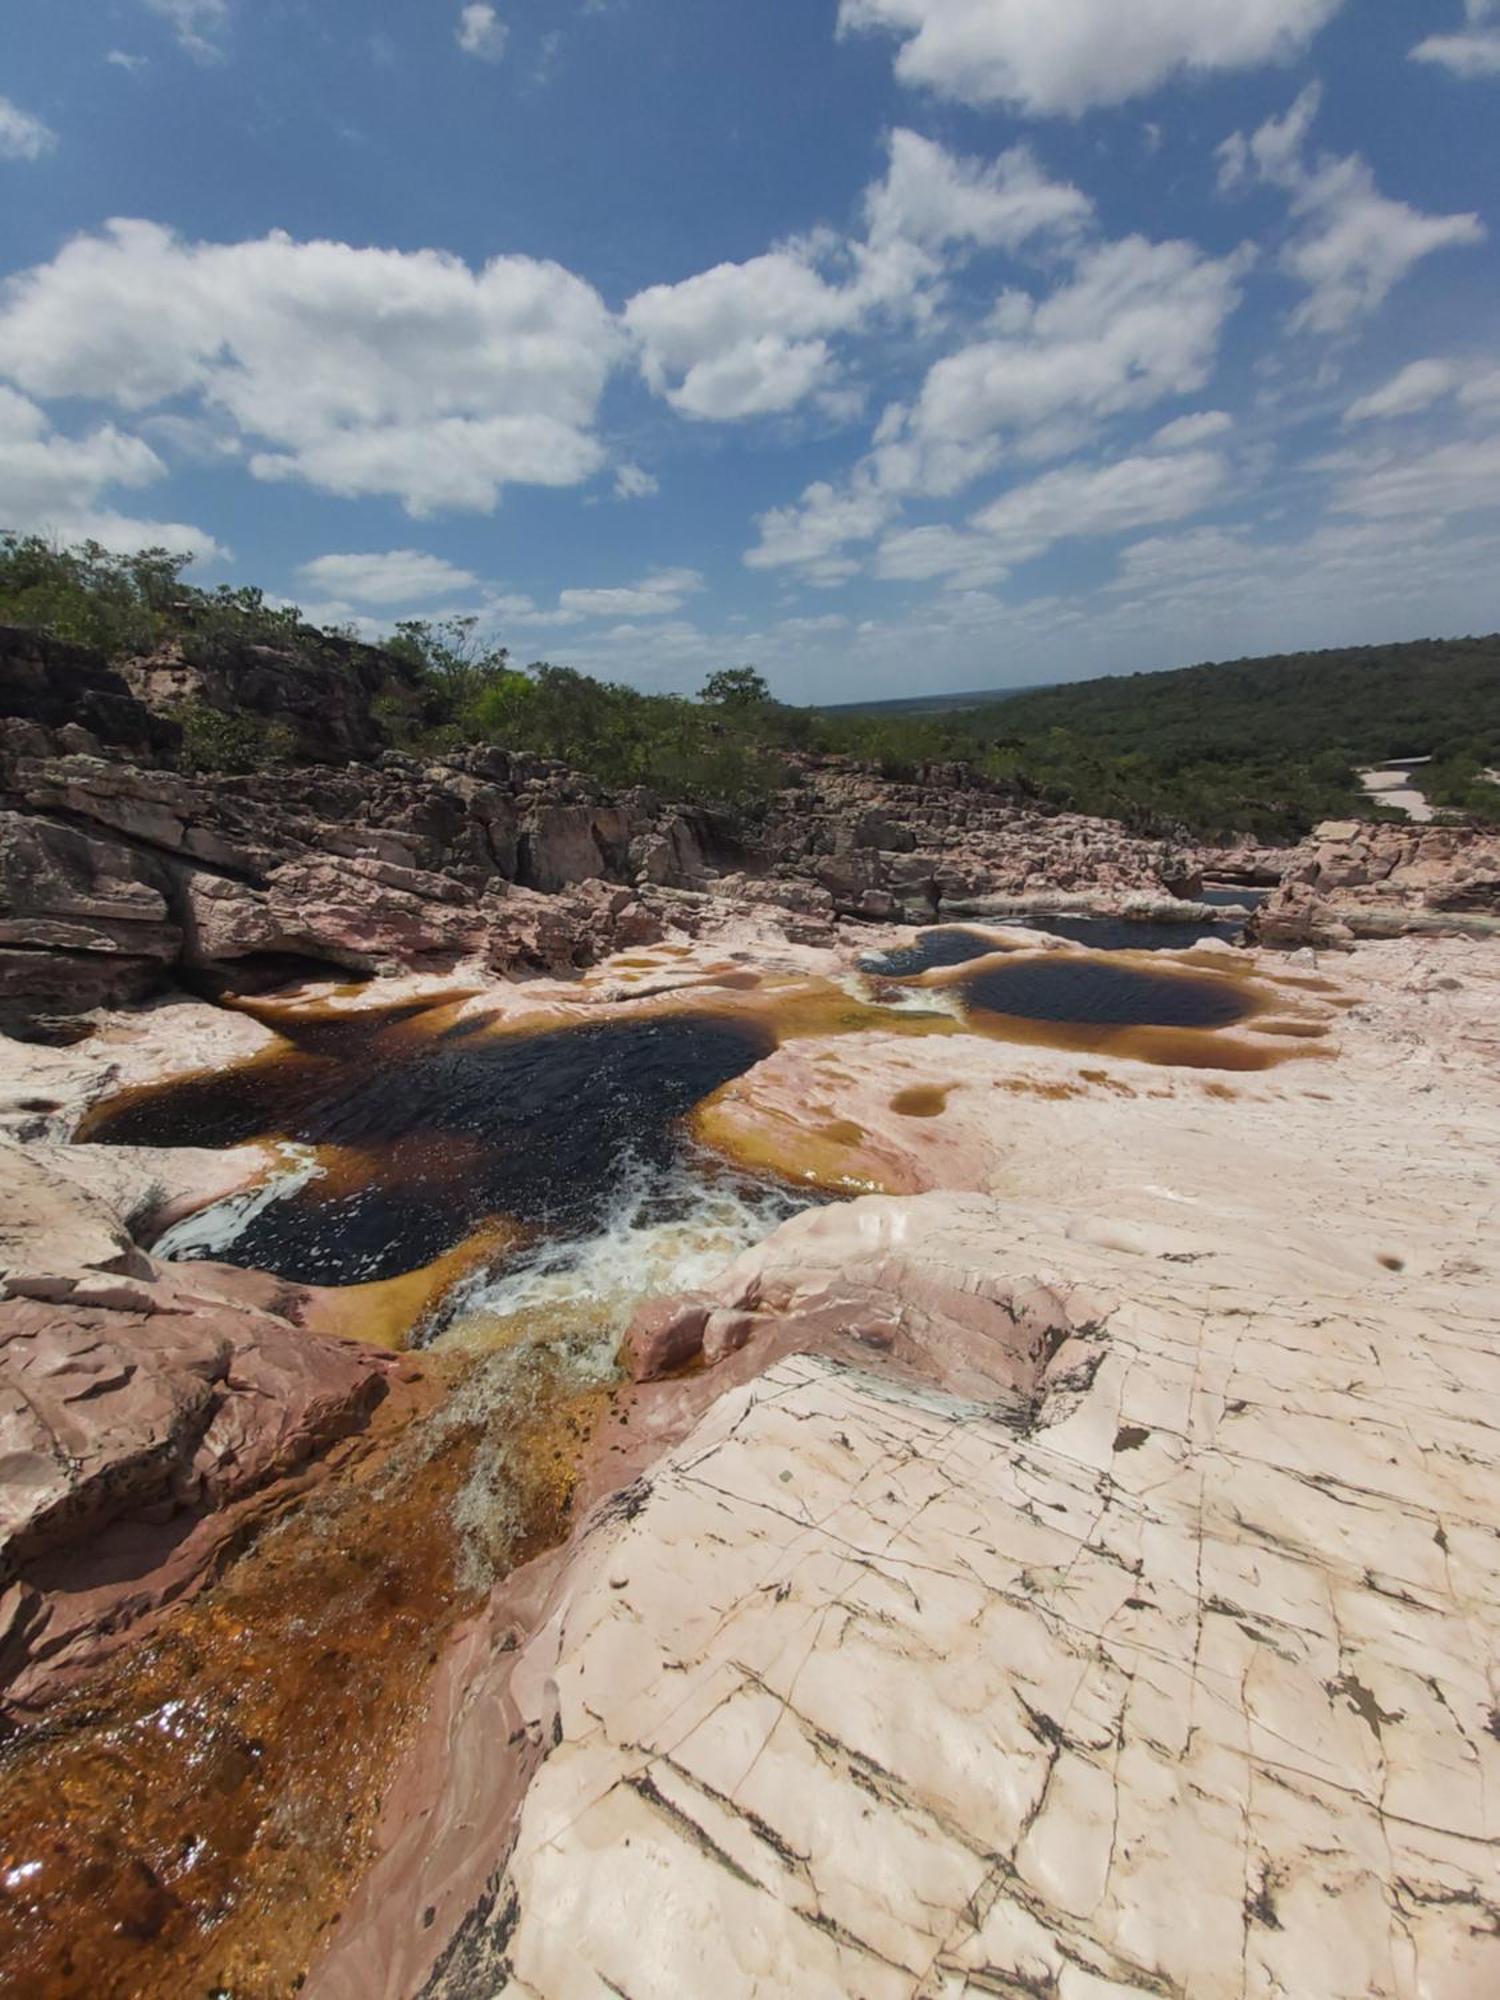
(957, 946)
(439, 1133)
(1132, 934)
(1230, 894)
(1094, 993)
(932, 949)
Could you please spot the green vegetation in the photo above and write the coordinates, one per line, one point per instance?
(235, 744)
(129, 605)
(1264, 747)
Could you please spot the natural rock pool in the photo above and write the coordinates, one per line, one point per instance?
(424, 1132)
(1091, 992)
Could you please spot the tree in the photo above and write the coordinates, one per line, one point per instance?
(460, 664)
(736, 687)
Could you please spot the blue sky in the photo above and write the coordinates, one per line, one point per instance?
(891, 345)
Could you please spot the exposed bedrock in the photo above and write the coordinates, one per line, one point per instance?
(148, 1413)
(141, 1419)
(1083, 1584)
(1354, 879)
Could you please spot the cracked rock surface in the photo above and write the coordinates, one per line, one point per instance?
(1177, 1676)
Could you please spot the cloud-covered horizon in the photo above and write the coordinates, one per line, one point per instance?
(1033, 381)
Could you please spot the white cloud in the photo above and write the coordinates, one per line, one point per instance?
(740, 340)
(1093, 501)
(813, 628)
(1416, 387)
(931, 197)
(1475, 54)
(1136, 323)
(633, 482)
(659, 595)
(118, 59)
(823, 522)
(43, 473)
(55, 485)
(481, 32)
(1352, 244)
(1466, 55)
(1184, 432)
(756, 338)
(401, 576)
(656, 596)
(23, 136)
(1074, 501)
(359, 371)
(1482, 390)
(197, 24)
(1066, 55)
(1450, 479)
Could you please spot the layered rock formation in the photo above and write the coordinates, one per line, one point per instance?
(1356, 879)
(119, 872)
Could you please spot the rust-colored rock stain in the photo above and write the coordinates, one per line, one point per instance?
(192, 1822)
(922, 1100)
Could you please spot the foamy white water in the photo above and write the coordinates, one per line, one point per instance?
(667, 1230)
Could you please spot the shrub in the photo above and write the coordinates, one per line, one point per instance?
(234, 745)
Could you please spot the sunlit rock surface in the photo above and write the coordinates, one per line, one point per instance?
(1177, 1678)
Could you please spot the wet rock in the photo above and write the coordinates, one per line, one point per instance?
(130, 1413)
(664, 1335)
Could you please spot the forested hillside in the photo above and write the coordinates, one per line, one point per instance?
(1315, 714)
(1263, 747)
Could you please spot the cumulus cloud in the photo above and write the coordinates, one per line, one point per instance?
(633, 482)
(1136, 322)
(23, 136)
(56, 485)
(358, 371)
(400, 576)
(1351, 245)
(757, 338)
(1132, 324)
(198, 24)
(741, 340)
(1474, 53)
(481, 32)
(812, 534)
(931, 197)
(1067, 55)
(1075, 501)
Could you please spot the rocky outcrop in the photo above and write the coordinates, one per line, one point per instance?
(141, 1420)
(321, 696)
(114, 875)
(913, 852)
(1357, 879)
(148, 1412)
(119, 871)
(67, 698)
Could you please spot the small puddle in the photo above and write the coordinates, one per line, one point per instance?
(1092, 993)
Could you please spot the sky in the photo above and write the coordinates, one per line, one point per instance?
(890, 346)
